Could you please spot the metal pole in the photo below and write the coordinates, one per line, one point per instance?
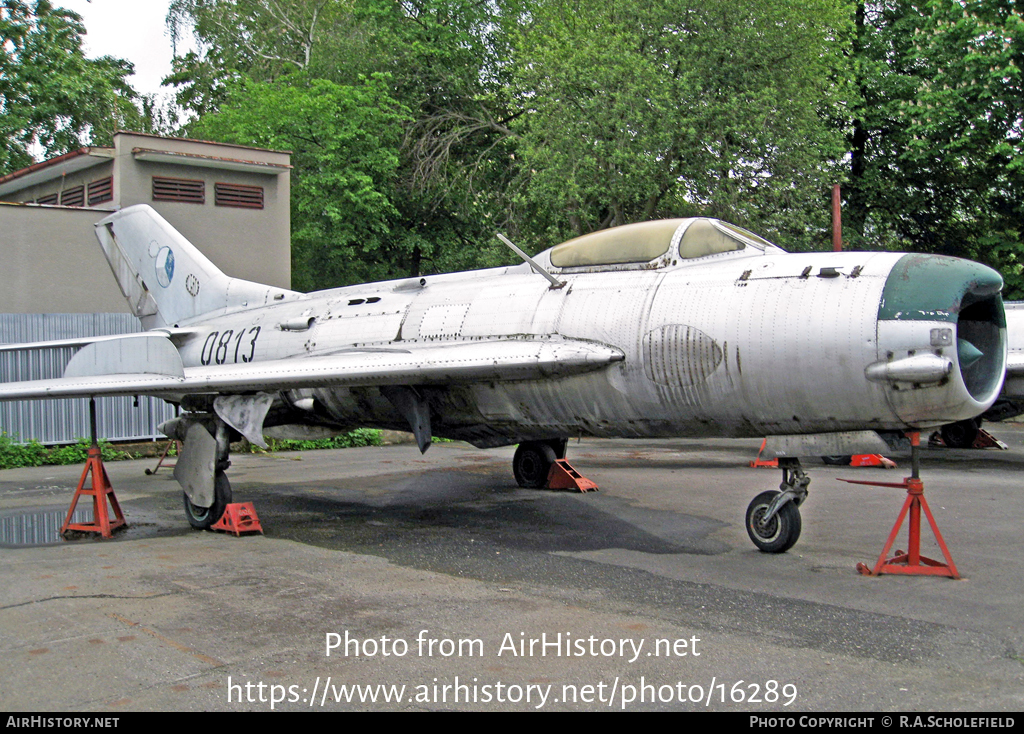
(915, 455)
(92, 422)
(837, 220)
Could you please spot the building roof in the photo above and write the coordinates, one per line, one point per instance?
(207, 161)
(87, 157)
(76, 160)
(206, 142)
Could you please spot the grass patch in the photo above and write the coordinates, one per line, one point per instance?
(14, 455)
(352, 439)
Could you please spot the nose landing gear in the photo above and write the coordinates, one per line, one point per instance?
(773, 518)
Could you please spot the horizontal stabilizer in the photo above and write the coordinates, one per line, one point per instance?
(415, 364)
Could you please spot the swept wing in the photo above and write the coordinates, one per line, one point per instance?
(148, 364)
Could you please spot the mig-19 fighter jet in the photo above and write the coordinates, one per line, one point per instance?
(682, 327)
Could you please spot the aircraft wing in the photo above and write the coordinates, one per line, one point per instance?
(1015, 364)
(148, 364)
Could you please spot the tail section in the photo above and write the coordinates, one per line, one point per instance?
(165, 278)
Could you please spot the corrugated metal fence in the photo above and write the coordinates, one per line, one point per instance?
(66, 420)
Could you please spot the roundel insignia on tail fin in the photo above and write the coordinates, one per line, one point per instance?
(165, 266)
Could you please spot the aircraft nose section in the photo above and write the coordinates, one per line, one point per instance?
(949, 309)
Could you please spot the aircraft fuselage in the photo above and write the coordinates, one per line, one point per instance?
(745, 344)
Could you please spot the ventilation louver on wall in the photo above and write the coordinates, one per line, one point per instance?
(102, 190)
(179, 189)
(73, 197)
(248, 197)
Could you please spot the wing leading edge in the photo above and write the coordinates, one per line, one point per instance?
(90, 375)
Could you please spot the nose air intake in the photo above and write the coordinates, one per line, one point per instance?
(965, 295)
(981, 346)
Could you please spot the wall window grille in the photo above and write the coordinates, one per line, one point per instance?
(179, 189)
(102, 190)
(73, 197)
(248, 197)
(48, 199)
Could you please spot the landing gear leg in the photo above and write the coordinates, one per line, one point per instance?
(773, 518)
(203, 518)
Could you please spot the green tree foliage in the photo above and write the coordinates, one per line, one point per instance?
(642, 110)
(344, 141)
(433, 218)
(450, 62)
(249, 39)
(51, 96)
(936, 129)
(881, 77)
(967, 126)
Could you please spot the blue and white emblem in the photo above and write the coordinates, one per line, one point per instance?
(165, 266)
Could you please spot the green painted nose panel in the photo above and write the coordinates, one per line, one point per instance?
(937, 288)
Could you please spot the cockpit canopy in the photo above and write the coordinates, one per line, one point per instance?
(646, 242)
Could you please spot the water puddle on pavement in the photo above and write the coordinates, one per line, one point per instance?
(36, 527)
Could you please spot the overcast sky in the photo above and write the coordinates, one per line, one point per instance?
(132, 30)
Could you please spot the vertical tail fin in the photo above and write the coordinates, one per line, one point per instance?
(164, 277)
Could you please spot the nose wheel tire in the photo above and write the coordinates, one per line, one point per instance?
(203, 518)
(778, 534)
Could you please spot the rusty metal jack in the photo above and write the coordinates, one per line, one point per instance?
(911, 562)
(563, 476)
(238, 518)
(100, 489)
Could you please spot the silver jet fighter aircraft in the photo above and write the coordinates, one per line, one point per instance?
(683, 327)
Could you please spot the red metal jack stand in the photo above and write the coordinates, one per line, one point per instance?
(911, 562)
(100, 489)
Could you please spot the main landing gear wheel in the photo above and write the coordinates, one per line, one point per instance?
(532, 464)
(960, 435)
(780, 532)
(203, 518)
